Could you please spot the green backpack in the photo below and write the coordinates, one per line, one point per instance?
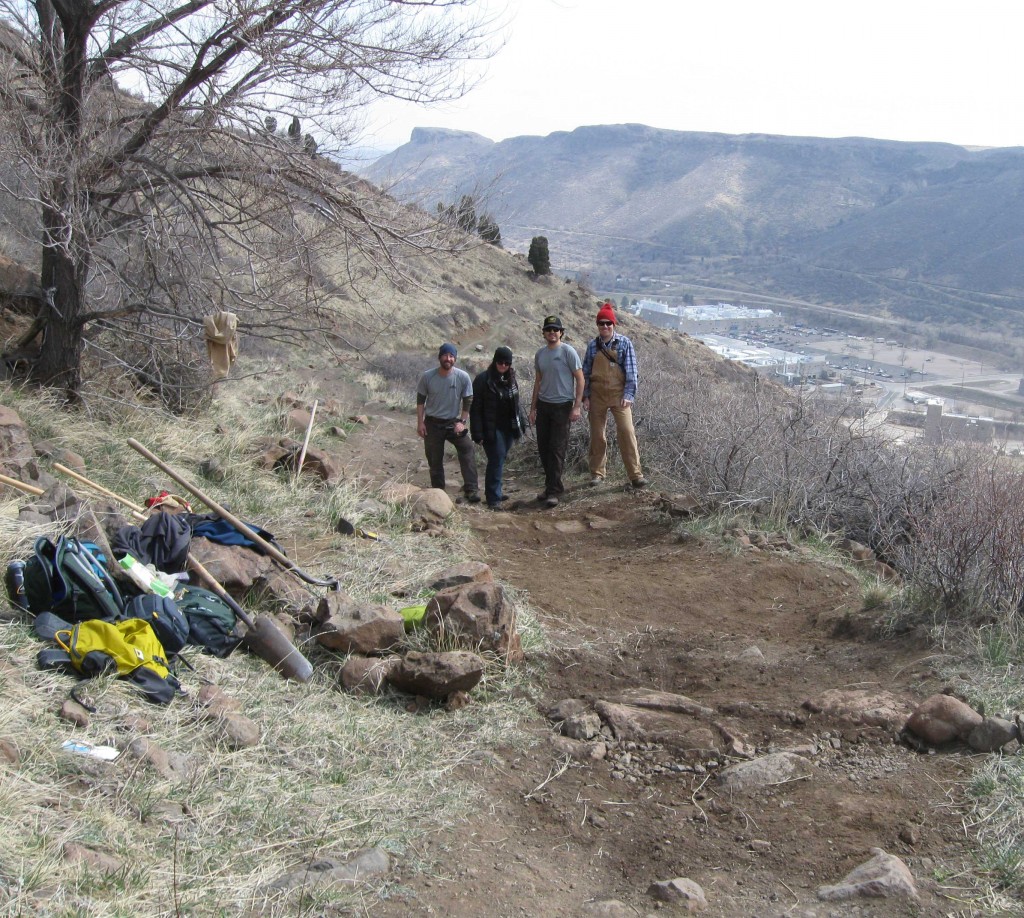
(67, 578)
(211, 621)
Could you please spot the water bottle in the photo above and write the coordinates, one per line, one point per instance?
(15, 581)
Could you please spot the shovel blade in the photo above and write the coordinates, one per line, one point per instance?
(266, 639)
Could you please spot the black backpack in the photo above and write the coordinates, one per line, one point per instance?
(67, 577)
(165, 618)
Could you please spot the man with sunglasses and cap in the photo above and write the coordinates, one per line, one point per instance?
(610, 371)
(443, 399)
(557, 397)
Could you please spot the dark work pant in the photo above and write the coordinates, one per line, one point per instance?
(552, 442)
(438, 432)
(496, 450)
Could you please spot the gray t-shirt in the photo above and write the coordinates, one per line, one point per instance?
(557, 366)
(444, 394)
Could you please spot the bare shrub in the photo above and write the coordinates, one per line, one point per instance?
(806, 460)
(964, 551)
(949, 517)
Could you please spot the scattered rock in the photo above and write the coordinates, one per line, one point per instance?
(681, 892)
(74, 713)
(580, 750)
(478, 613)
(873, 709)
(883, 877)
(581, 726)
(566, 708)
(401, 493)
(908, 835)
(774, 768)
(429, 506)
(15, 443)
(680, 506)
(237, 568)
(609, 908)
(752, 655)
(992, 734)
(326, 872)
(239, 731)
(97, 861)
(366, 675)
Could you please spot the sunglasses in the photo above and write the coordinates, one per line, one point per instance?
(503, 363)
(551, 328)
(606, 324)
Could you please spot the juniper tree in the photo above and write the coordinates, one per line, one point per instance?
(489, 230)
(538, 256)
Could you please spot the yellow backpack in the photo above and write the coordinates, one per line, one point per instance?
(130, 648)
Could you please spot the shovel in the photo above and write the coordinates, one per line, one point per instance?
(263, 636)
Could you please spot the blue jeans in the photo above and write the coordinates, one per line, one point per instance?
(496, 450)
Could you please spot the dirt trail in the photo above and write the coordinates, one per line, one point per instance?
(628, 606)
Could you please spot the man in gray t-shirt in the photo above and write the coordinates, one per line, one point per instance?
(557, 397)
(443, 398)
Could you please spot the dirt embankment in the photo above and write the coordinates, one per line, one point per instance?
(764, 645)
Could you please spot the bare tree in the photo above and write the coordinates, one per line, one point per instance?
(142, 132)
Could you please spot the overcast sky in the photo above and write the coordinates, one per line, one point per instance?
(898, 70)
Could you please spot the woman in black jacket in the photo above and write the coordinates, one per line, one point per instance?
(494, 419)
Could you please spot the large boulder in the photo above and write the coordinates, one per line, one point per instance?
(356, 627)
(460, 574)
(429, 506)
(479, 614)
(942, 718)
(436, 675)
(236, 568)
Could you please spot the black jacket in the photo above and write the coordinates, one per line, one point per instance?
(495, 407)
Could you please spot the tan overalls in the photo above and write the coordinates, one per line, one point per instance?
(607, 384)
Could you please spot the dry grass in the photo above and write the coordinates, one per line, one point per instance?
(332, 773)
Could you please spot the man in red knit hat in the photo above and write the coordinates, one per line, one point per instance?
(610, 374)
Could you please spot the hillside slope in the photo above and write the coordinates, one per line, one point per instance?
(882, 223)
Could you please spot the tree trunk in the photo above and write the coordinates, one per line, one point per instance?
(65, 262)
(63, 283)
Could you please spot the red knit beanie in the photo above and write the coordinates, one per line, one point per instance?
(606, 314)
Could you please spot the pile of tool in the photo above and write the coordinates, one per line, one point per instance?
(263, 636)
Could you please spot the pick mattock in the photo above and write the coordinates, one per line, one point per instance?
(279, 556)
(263, 635)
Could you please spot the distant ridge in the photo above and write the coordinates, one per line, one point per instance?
(927, 231)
